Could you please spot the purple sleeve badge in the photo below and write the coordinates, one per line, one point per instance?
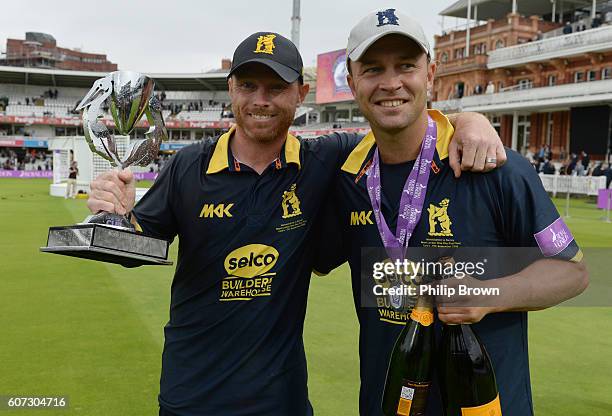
(555, 238)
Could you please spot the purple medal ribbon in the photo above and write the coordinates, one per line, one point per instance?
(412, 200)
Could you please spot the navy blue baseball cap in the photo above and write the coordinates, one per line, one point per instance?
(273, 50)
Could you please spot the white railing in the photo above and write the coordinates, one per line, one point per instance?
(586, 22)
(574, 43)
(579, 185)
(560, 95)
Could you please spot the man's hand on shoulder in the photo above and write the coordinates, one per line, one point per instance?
(113, 191)
(476, 146)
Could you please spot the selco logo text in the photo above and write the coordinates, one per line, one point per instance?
(251, 260)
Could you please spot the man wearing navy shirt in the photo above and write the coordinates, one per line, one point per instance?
(399, 173)
(245, 208)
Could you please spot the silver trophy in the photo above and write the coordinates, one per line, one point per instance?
(105, 236)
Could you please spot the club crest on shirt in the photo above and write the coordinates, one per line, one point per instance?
(291, 203)
(439, 221)
(291, 210)
(439, 227)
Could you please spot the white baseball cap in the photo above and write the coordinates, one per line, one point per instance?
(380, 23)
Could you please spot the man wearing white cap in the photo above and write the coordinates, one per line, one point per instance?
(396, 192)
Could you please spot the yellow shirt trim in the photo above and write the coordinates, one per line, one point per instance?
(219, 161)
(137, 226)
(578, 257)
(355, 160)
(292, 150)
(358, 156)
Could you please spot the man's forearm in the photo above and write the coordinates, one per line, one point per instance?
(541, 285)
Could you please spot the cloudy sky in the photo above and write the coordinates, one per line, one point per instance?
(194, 35)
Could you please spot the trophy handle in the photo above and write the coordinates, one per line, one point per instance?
(100, 139)
(142, 152)
(97, 135)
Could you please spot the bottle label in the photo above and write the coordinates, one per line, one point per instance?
(413, 399)
(490, 409)
(423, 316)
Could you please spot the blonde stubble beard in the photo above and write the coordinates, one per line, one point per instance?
(282, 130)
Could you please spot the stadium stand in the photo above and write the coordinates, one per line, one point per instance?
(206, 114)
(37, 108)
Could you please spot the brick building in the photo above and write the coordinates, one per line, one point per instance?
(40, 50)
(538, 83)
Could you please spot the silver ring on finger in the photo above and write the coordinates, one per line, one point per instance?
(492, 160)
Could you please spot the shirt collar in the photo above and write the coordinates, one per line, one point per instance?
(220, 159)
(358, 157)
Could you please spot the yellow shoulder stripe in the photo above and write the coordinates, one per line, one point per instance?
(357, 157)
(292, 150)
(445, 132)
(219, 161)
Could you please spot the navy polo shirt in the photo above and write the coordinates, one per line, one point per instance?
(503, 208)
(233, 344)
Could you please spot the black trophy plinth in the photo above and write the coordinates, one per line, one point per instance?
(97, 240)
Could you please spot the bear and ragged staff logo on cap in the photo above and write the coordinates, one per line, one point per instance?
(265, 44)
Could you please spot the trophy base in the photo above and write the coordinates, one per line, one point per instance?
(109, 244)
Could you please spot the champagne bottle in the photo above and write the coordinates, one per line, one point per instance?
(467, 379)
(410, 366)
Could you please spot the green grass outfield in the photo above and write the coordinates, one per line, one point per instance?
(93, 331)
